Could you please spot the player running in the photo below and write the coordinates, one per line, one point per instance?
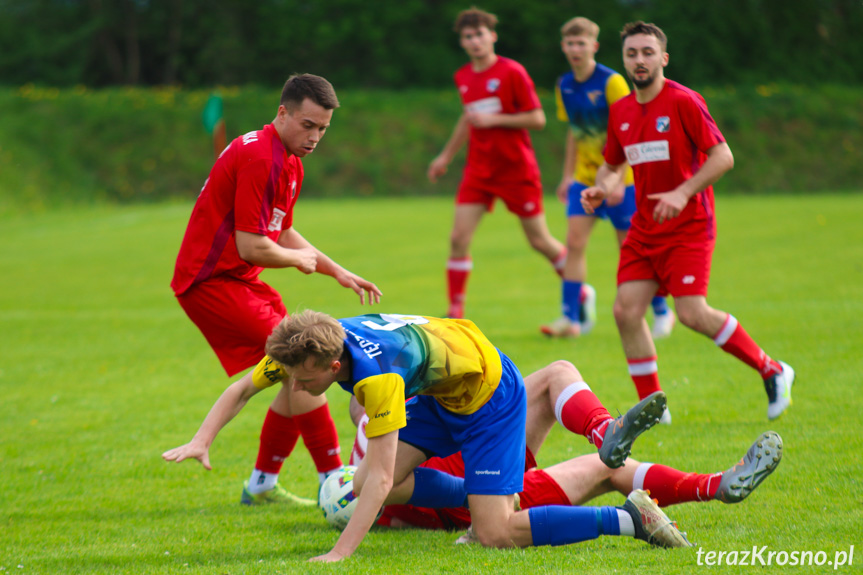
(583, 97)
(500, 106)
(665, 132)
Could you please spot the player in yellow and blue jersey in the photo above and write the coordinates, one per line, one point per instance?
(462, 394)
(583, 97)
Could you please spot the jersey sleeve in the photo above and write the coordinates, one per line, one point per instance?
(699, 124)
(524, 90)
(615, 89)
(383, 397)
(251, 214)
(613, 152)
(558, 100)
(268, 373)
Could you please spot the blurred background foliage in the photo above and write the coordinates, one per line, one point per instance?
(398, 44)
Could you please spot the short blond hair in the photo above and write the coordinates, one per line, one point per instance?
(308, 334)
(580, 26)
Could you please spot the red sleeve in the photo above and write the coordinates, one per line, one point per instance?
(698, 123)
(524, 90)
(613, 151)
(251, 213)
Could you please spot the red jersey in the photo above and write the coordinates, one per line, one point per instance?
(665, 141)
(501, 154)
(252, 187)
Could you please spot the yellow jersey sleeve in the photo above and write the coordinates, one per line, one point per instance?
(615, 89)
(561, 109)
(268, 373)
(383, 397)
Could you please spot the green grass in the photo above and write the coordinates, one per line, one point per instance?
(100, 372)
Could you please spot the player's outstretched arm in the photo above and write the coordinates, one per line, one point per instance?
(376, 476)
(226, 407)
(292, 239)
(439, 165)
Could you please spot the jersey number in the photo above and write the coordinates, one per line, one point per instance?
(395, 321)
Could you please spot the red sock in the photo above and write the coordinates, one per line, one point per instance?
(670, 486)
(279, 435)
(457, 273)
(581, 412)
(320, 438)
(559, 262)
(733, 339)
(645, 375)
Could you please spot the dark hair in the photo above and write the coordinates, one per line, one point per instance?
(302, 86)
(474, 18)
(639, 27)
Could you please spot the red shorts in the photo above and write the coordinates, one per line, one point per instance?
(523, 199)
(236, 317)
(679, 269)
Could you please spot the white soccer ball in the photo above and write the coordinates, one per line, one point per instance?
(337, 499)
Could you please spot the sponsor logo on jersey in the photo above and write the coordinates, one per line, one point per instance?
(645, 152)
(594, 95)
(487, 472)
(490, 105)
(624, 126)
(250, 137)
(384, 414)
(370, 348)
(462, 89)
(293, 189)
(276, 220)
(492, 85)
(663, 123)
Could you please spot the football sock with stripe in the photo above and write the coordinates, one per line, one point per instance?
(579, 410)
(645, 375)
(562, 525)
(733, 339)
(279, 435)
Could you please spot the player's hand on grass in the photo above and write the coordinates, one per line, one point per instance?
(360, 286)
(191, 450)
(668, 204)
(330, 557)
(592, 198)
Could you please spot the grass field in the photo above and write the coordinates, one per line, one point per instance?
(100, 372)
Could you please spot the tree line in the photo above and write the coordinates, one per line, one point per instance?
(401, 44)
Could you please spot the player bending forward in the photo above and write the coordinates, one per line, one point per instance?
(465, 396)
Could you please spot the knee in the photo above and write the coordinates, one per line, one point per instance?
(563, 369)
(497, 537)
(625, 313)
(576, 242)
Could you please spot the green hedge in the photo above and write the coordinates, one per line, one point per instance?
(61, 146)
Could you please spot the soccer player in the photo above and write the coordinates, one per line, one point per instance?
(665, 132)
(583, 97)
(467, 396)
(580, 479)
(500, 106)
(242, 222)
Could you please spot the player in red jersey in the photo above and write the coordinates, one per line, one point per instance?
(580, 479)
(242, 222)
(665, 132)
(500, 106)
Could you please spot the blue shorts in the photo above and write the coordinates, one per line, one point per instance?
(492, 439)
(620, 215)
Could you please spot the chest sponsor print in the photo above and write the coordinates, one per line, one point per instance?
(645, 152)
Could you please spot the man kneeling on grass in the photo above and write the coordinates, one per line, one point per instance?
(465, 396)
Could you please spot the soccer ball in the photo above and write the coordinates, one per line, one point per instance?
(337, 499)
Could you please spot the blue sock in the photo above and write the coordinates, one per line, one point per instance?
(660, 305)
(436, 489)
(572, 300)
(561, 525)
